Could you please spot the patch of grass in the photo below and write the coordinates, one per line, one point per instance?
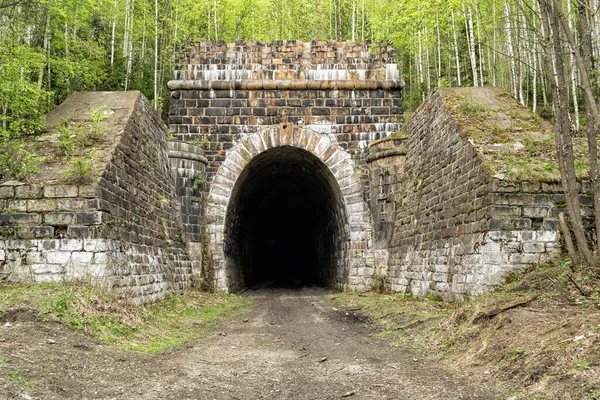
(469, 110)
(17, 378)
(152, 328)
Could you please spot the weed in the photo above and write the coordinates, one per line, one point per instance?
(97, 129)
(515, 352)
(79, 171)
(581, 365)
(66, 140)
(198, 181)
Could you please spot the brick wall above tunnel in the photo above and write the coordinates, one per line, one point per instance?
(223, 91)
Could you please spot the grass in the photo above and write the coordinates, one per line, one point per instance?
(154, 328)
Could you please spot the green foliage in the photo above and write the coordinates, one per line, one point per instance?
(96, 129)
(79, 171)
(16, 162)
(198, 181)
(66, 140)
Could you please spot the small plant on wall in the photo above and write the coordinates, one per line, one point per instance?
(198, 181)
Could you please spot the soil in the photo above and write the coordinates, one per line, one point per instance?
(290, 345)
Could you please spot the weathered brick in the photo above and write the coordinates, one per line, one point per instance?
(89, 218)
(42, 205)
(59, 218)
(60, 191)
(7, 192)
(28, 192)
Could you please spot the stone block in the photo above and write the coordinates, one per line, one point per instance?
(59, 218)
(21, 218)
(58, 257)
(16, 206)
(28, 192)
(537, 212)
(100, 258)
(33, 232)
(54, 191)
(501, 211)
(36, 257)
(7, 192)
(534, 247)
(45, 268)
(82, 257)
(71, 244)
(89, 218)
(510, 223)
(88, 191)
(41, 205)
(96, 244)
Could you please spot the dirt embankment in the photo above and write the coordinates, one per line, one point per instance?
(536, 336)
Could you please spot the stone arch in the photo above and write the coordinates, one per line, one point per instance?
(355, 266)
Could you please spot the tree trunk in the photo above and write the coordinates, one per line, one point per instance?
(471, 42)
(112, 34)
(511, 54)
(456, 51)
(573, 73)
(46, 46)
(156, 54)
(215, 21)
(554, 59)
(439, 50)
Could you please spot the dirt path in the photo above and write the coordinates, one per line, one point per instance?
(289, 346)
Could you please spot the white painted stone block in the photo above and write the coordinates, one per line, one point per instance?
(58, 257)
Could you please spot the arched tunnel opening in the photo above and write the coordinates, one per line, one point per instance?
(286, 223)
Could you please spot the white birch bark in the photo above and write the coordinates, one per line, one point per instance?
(215, 22)
(46, 46)
(511, 55)
(439, 49)
(471, 42)
(353, 18)
(112, 34)
(156, 54)
(456, 51)
(573, 73)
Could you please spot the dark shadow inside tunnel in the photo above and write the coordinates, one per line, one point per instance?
(286, 223)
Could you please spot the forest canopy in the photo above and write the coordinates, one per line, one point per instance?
(50, 48)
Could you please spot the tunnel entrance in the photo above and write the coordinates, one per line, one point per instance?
(286, 223)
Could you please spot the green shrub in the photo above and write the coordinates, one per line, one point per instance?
(66, 144)
(79, 171)
(16, 162)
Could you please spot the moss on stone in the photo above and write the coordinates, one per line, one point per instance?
(513, 142)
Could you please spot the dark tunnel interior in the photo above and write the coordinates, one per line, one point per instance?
(285, 221)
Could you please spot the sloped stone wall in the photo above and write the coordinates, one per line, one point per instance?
(459, 231)
(124, 230)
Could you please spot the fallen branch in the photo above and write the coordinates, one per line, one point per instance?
(583, 291)
(21, 358)
(498, 310)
